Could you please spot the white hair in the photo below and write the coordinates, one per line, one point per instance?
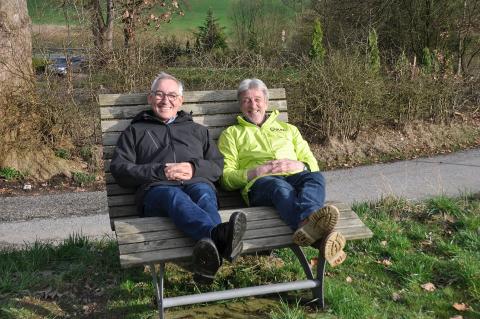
(248, 84)
(163, 76)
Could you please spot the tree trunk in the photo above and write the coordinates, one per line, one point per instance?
(15, 45)
(102, 27)
(21, 144)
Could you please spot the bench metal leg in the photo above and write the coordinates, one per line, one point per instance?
(158, 284)
(317, 292)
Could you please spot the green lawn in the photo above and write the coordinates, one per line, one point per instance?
(424, 258)
(51, 12)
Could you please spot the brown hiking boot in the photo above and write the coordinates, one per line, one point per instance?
(332, 248)
(318, 225)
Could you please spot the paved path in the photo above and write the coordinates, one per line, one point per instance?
(55, 217)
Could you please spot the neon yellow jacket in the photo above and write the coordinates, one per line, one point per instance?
(246, 145)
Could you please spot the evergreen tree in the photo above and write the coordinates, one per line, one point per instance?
(211, 35)
(317, 51)
(373, 52)
(427, 60)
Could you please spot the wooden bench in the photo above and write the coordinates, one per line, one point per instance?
(150, 241)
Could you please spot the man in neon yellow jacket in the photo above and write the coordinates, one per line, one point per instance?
(269, 161)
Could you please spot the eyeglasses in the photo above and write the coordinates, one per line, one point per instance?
(170, 96)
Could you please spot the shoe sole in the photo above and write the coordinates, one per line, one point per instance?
(206, 259)
(319, 224)
(333, 249)
(239, 221)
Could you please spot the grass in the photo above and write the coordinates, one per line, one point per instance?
(435, 241)
(10, 173)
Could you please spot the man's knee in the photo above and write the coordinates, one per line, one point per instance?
(283, 189)
(317, 177)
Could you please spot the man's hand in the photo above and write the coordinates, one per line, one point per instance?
(286, 166)
(259, 171)
(276, 167)
(179, 171)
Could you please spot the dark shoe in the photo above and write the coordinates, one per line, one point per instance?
(206, 259)
(228, 236)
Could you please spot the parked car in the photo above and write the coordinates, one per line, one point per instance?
(59, 65)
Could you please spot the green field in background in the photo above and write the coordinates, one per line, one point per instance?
(52, 12)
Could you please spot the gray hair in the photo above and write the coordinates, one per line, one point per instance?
(248, 84)
(163, 76)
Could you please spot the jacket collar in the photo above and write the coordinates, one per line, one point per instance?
(268, 122)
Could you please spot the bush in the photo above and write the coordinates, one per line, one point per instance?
(39, 64)
(63, 153)
(10, 173)
(83, 179)
(345, 96)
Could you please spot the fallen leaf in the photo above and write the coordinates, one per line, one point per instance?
(396, 296)
(348, 279)
(461, 306)
(428, 286)
(383, 243)
(313, 261)
(385, 262)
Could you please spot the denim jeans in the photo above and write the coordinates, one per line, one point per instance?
(295, 196)
(193, 208)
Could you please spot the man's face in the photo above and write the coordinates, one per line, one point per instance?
(165, 99)
(253, 105)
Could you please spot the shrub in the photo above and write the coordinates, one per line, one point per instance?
(39, 64)
(317, 51)
(344, 97)
(83, 179)
(10, 173)
(63, 153)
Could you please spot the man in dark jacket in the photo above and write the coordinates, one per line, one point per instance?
(173, 162)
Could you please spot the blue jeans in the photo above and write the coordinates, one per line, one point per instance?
(295, 196)
(193, 208)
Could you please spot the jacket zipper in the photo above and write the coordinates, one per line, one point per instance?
(171, 144)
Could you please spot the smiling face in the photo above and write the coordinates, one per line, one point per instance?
(253, 105)
(165, 99)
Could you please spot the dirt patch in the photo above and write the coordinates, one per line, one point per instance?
(382, 144)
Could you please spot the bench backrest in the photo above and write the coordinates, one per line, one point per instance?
(214, 109)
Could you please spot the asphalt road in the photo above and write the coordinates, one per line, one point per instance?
(25, 219)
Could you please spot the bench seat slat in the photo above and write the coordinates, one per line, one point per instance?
(250, 246)
(166, 243)
(151, 224)
(169, 239)
(129, 260)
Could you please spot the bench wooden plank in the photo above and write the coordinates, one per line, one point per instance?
(250, 245)
(266, 229)
(219, 120)
(226, 202)
(111, 138)
(129, 260)
(263, 220)
(196, 109)
(188, 97)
